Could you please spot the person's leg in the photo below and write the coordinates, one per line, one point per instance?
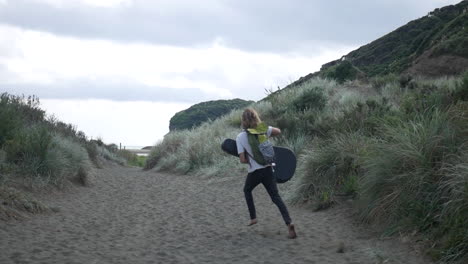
(269, 182)
(251, 181)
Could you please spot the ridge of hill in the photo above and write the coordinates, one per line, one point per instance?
(202, 112)
(434, 45)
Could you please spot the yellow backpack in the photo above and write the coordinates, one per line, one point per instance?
(263, 152)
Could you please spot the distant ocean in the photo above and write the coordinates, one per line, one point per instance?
(137, 150)
(133, 147)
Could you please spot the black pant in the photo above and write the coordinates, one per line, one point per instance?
(264, 176)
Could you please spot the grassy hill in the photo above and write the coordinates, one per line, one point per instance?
(37, 152)
(434, 45)
(396, 147)
(202, 112)
(399, 153)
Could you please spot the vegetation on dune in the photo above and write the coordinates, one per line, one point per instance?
(202, 112)
(397, 147)
(342, 72)
(367, 127)
(131, 158)
(14, 202)
(36, 151)
(415, 48)
(362, 127)
(197, 150)
(444, 31)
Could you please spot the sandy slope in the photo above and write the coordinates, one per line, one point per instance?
(130, 216)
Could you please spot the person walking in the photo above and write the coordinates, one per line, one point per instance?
(258, 173)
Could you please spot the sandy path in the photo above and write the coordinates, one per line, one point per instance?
(130, 216)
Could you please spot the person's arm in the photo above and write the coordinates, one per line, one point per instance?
(275, 131)
(243, 158)
(241, 150)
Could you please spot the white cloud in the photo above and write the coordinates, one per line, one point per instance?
(262, 25)
(37, 60)
(43, 58)
(72, 3)
(225, 49)
(106, 3)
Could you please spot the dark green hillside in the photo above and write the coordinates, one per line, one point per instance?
(443, 32)
(434, 45)
(199, 113)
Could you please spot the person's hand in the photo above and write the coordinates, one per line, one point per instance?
(275, 131)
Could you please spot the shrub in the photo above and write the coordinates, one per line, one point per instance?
(26, 108)
(411, 180)
(66, 130)
(405, 80)
(453, 217)
(132, 158)
(378, 82)
(342, 72)
(330, 166)
(67, 160)
(110, 156)
(170, 144)
(43, 158)
(461, 92)
(3, 167)
(429, 95)
(195, 150)
(401, 160)
(297, 143)
(364, 117)
(235, 121)
(310, 99)
(93, 153)
(9, 120)
(28, 149)
(12, 200)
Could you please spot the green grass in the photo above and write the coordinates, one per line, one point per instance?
(397, 146)
(132, 159)
(38, 152)
(191, 151)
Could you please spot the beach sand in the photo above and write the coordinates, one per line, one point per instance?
(131, 216)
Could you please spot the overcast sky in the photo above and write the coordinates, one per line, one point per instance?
(119, 69)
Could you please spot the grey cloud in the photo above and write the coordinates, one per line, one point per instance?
(278, 26)
(117, 91)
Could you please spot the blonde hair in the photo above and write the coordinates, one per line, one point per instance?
(250, 118)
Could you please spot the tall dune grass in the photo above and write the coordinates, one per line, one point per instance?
(397, 146)
(331, 166)
(190, 151)
(415, 177)
(38, 151)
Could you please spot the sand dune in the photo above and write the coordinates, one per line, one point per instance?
(130, 216)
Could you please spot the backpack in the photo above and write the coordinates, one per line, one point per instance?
(263, 152)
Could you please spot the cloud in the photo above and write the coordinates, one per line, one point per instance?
(54, 66)
(111, 66)
(105, 89)
(276, 26)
